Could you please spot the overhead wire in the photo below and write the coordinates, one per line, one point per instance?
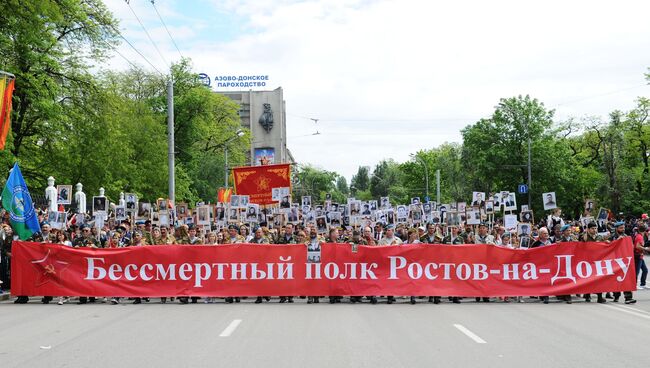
(166, 29)
(146, 32)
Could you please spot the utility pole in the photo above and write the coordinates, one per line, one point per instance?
(438, 186)
(225, 166)
(170, 140)
(527, 125)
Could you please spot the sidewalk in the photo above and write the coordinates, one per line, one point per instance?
(4, 296)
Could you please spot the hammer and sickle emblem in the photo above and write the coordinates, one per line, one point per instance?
(49, 269)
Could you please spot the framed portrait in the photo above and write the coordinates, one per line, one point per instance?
(462, 206)
(415, 200)
(415, 212)
(524, 207)
(365, 209)
(589, 205)
(99, 204)
(182, 210)
(549, 201)
(219, 213)
(243, 201)
(130, 201)
(120, 213)
(306, 201)
(478, 199)
(390, 217)
(384, 203)
(496, 199)
(233, 215)
(234, 201)
(603, 213)
(163, 218)
(275, 194)
(585, 220)
(279, 220)
(526, 217)
(144, 211)
(161, 203)
(511, 202)
(524, 229)
(203, 215)
(285, 201)
(402, 213)
(321, 225)
(453, 218)
(335, 219)
(374, 206)
(65, 194)
(293, 216)
(473, 216)
(489, 207)
(252, 212)
(510, 222)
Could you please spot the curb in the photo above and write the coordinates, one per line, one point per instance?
(4, 296)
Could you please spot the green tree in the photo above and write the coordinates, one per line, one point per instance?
(386, 180)
(360, 181)
(49, 46)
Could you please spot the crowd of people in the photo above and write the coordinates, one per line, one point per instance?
(551, 230)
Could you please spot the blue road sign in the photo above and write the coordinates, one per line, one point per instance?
(522, 189)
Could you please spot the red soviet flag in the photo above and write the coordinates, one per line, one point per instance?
(258, 181)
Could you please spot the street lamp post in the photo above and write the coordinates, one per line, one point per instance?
(238, 134)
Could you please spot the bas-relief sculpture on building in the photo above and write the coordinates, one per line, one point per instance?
(266, 119)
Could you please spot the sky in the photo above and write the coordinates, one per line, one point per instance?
(388, 78)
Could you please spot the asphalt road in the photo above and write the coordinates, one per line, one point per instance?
(323, 335)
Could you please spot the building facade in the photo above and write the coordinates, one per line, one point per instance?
(264, 114)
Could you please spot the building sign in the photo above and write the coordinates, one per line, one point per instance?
(234, 81)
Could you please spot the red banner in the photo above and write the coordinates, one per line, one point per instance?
(251, 270)
(258, 181)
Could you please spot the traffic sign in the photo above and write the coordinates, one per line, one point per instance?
(522, 189)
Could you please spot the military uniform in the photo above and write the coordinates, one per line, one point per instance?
(236, 240)
(427, 239)
(586, 237)
(81, 242)
(85, 242)
(456, 240)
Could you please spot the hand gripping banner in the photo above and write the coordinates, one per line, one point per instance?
(251, 270)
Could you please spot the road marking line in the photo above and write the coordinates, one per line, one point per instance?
(634, 309)
(627, 311)
(231, 328)
(470, 334)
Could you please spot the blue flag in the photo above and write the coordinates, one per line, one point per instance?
(17, 201)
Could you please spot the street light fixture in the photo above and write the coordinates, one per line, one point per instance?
(238, 134)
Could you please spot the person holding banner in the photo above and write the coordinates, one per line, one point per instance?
(619, 232)
(85, 241)
(591, 235)
(482, 237)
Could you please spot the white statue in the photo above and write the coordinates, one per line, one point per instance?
(80, 198)
(108, 204)
(51, 195)
(122, 202)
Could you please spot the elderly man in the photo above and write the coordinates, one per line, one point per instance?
(389, 237)
(482, 237)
